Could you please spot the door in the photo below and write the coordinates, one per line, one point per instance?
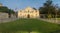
(28, 16)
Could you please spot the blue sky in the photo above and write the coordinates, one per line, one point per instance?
(21, 4)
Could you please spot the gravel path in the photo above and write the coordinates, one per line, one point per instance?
(53, 20)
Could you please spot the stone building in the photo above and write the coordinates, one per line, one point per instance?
(28, 13)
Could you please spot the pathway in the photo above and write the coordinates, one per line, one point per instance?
(53, 20)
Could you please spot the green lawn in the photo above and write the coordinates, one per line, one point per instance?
(58, 18)
(27, 25)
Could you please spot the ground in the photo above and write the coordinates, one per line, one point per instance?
(28, 25)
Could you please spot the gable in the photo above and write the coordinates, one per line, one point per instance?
(29, 9)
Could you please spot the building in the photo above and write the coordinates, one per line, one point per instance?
(28, 13)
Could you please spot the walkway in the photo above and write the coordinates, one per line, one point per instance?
(53, 20)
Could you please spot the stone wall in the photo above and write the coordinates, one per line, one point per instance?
(3, 15)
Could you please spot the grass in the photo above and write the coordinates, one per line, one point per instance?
(58, 18)
(27, 25)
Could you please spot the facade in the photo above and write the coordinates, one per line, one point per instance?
(28, 13)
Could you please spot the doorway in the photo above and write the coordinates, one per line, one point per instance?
(28, 16)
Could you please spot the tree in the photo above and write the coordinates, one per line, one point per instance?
(34, 8)
(10, 11)
(58, 13)
(6, 10)
(48, 8)
(3, 9)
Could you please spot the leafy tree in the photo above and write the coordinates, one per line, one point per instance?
(48, 8)
(10, 11)
(34, 8)
(6, 10)
(59, 11)
(3, 9)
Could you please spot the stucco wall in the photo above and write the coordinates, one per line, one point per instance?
(28, 11)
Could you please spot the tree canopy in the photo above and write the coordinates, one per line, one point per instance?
(3, 9)
(6, 10)
(48, 7)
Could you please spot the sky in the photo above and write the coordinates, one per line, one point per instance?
(21, 4)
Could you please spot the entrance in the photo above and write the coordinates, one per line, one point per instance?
(28, 16)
